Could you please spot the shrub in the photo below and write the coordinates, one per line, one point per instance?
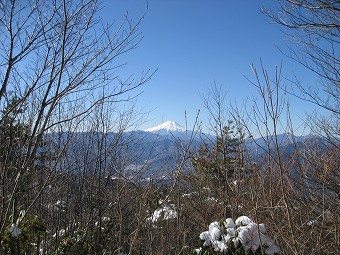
(240, 237)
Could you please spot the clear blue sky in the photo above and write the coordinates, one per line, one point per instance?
(193, 43)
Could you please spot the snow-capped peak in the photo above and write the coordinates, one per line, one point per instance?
(168, 126)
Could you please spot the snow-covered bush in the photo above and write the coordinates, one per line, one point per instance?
(165, 212)
(240, 237)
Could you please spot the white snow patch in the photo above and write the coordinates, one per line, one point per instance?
(215, 231)
(198, 250)
(243, 221)
(229, 223)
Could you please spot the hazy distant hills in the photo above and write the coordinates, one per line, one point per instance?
(154, 152)
(151, 153)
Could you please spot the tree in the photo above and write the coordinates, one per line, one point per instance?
(221, 159)
(314, 26)
(314, 29)
(13, 133)
(282, 185)
(228, 149)
(60, 59)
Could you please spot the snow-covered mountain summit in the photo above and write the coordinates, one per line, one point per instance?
(168, 126)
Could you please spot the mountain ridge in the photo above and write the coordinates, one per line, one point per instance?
(155, 153)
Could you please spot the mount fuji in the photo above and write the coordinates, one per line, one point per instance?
(167, 126)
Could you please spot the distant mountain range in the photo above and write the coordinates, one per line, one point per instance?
(154, 152)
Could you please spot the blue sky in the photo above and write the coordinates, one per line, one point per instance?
(194, 43)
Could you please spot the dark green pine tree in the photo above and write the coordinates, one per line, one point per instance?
(224, 158)
(228, 151)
